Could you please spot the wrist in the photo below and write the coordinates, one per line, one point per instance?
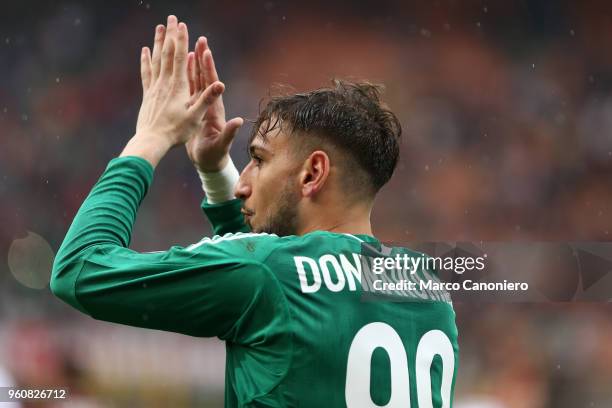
(219, 185)
(149, 146)
(208, 167)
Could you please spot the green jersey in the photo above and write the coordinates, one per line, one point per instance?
(297, 331)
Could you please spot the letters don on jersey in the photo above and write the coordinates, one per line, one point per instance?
(295, 337)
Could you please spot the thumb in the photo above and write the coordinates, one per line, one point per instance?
(231, 130)
(206, 98)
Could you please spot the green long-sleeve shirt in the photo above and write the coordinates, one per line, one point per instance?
(289, 308)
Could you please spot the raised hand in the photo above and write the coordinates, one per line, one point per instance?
(208, 146)
(169, 113)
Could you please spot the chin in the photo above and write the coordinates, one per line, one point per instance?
(252, 227)
(258, 229)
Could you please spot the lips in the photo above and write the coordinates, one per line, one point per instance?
(246, 214)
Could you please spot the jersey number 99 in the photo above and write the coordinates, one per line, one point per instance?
(378, 334)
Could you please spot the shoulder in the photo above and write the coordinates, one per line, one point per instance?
(316, 243)
(257, 247)
(237, 238)
(239, 259)
(244, 246)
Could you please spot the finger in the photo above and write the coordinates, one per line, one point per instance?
(207, 98)
(158, 44)
(199, 49)
(167, 58)
(180, 53)
(210, 72)
(231, 130)
(193, 98)
(145, 68)
(203, 46)
(191, 74)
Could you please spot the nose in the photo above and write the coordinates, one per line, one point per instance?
(243, 188)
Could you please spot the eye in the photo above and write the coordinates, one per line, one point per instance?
(258, 160)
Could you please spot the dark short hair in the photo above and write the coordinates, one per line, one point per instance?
(350, 116)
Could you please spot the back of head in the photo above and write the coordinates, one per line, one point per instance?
(348, 118)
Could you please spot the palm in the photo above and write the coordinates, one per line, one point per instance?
(206, 144)
(208, 148)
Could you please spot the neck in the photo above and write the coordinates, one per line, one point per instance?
(348, 221)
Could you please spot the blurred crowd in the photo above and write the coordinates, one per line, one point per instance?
(506, 109)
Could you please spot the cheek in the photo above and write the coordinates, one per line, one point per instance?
(264, 190)
(266, 185)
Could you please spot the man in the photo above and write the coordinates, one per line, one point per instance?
(286, 297)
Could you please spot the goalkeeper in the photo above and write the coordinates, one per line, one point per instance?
(280, 282)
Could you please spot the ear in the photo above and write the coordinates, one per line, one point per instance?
(314, 173)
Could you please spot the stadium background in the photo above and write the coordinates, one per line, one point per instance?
(507, 117)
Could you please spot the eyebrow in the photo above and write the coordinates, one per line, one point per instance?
(254, 148)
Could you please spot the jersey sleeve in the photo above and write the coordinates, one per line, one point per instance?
(211, 288)
(225, 217)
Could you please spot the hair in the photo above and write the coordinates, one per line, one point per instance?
(349, 116)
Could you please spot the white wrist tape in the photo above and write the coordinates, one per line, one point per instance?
(219, 186)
